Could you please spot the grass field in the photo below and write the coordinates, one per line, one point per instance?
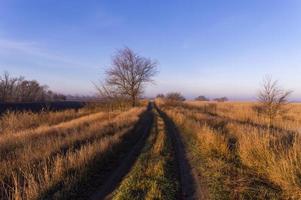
(50, 160)
(237, 154)
(210, 150)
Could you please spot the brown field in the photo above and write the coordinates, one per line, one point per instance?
(221, 150)
(49, 156)
(238, 156)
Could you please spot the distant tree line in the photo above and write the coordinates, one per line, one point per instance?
(221, 99)
(83, 98)
(202, 98)
(18, 89)
(176, 96)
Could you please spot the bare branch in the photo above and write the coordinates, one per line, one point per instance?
(273, 99)
(128, 75)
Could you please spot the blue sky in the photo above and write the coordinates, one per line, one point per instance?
(204, 47)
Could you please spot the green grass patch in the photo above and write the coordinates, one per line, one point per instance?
(153, 176)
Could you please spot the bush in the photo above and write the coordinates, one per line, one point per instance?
(202, 98)
(175, 96)
(221, 99)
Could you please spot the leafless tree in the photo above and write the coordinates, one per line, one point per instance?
(175, 96)
(17, 89)
(273, 99)
(127, 76)
(31, 91)
(8, 86)
(202, 98)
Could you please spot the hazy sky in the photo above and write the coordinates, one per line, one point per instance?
(204, 47)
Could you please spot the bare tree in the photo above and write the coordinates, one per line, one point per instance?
(8, 86)
(221, 99)
(202, 98)
(175, 96)
(107, 92)
(273, 99)
(127, 76)
(17, 89)
(31, 91)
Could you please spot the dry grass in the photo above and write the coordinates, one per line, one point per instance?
(238, 155)
(49, 161)
(244, 112)
(12, 122)
(153, 175)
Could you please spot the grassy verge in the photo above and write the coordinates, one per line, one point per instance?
(153, 175)
(213, 152)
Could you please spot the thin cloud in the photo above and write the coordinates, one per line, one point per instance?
(33, 49)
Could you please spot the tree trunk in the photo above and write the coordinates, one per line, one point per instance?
(133, 100)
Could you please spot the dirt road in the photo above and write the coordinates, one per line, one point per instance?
(190, 188)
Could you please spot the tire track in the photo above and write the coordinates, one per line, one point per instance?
(190, 186)
(106, 190)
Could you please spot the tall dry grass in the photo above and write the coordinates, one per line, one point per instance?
(49, 161)
(12, 122)
(278, 157)
(245, 112)
(250, 160)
